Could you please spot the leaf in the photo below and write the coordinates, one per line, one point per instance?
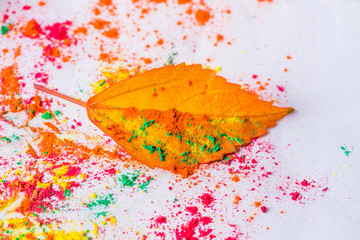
(177, 117)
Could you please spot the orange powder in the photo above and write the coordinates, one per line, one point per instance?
(112, 33)
(32, 29)
(17, 52)
(106, 2)
(158, 1)
(202, 16)
(82, 30)
(236, 178)
(9, 81)
(99, 23)
(219, 37)
(147, 60)
(184, 1)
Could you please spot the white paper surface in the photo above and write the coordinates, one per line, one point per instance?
(322, 84)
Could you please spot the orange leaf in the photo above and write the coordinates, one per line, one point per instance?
(177, 117)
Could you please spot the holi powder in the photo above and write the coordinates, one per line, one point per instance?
(171, 161)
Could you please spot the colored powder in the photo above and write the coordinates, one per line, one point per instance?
(158, 1)
(82, 30)
(99, 23)
(106, 2)
(73, 171)
(111, 171)
(281, 89)
(295, 196)
(305, 183)
(263, 209)
(206, 199)
(32, 29)
(126, 181)
(144, 185)
(202, 16)
(192, 209)
(347, 152)
(52, 127)
(4, 30)
(47, 116)
(219, 37)
(206, 220)
(57, 113)
(184, 1)
(103, 201)
(112, 33)
(58, 31)
(160, 220)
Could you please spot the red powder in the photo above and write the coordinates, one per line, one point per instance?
(192, 209)
(295, 196)
(281, 89)
(187, 231)
(160, 220)
(58, 31)
(5, 17)
(305, 183)
(206, 199)
(206, 220)
(202, 16)
(73, 171)
(263, 209)
(325, 189)
(26, 7)
(110, 171)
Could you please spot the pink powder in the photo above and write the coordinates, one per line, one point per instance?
(73, 171)
(206, 199)
(160, 220)
(295, 196)
(58, 31)
(193, 210)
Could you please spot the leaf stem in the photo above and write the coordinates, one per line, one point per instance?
(52, 92)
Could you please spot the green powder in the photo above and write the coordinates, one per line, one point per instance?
(4, 30)
(128, 181)
(57, 113)
(67, 193)
(47, 116)
(103, 201)
(8, 140)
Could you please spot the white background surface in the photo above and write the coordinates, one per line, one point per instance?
(322, 84)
